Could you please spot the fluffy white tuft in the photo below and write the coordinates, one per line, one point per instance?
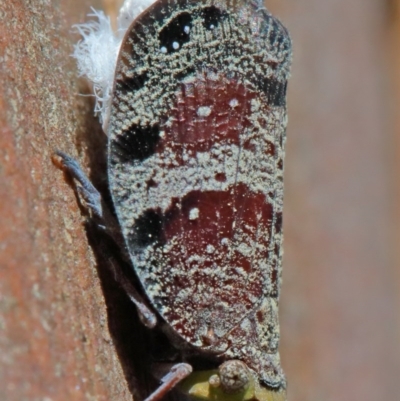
(96, 53)
(96, 56)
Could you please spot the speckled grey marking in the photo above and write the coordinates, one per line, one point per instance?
(202, 290)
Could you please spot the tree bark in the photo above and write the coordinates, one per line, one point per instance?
(55, 341)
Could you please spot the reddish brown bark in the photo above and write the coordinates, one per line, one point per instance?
(55, 342)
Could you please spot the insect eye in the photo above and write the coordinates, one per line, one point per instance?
(212, 16)
(234, 377)
(176, 33)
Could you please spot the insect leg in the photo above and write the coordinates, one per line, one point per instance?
(86, 189)
(176, 374)
(100, 213)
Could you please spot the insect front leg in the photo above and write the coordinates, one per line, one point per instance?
(175, 374)
(101, 215)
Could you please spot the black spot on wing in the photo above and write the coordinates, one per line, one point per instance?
(176, 33)
(137, 143)
(278, 222)
(274, 90)
(277, 35)
(212, 16)
(147, 230)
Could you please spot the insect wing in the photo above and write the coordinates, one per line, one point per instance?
(196, 144)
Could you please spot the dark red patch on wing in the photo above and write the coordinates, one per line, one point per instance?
(218, 227)
(207, 218)
(211, 109)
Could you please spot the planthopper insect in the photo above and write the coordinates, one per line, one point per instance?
(196, 118)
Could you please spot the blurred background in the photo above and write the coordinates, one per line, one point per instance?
(340, 298)
(340, 305)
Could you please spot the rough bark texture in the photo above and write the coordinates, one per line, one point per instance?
(67, 332)
(55, 341)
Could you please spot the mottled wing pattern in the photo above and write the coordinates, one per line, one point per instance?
(196, 149)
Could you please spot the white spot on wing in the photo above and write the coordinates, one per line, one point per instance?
(210, 249)
(234, 103)
(194, 214)
(204, 111)
(225, 241)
